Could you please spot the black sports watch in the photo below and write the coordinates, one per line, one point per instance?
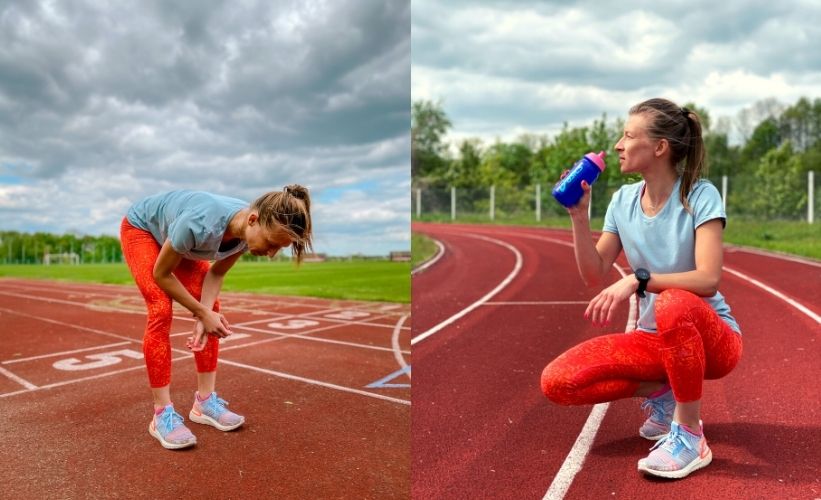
(643, 275)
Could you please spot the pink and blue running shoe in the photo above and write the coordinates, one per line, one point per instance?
(170, 431)
(213, 412)
(677, 454)
(660, 410)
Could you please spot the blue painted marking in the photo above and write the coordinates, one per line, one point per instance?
(381, 383)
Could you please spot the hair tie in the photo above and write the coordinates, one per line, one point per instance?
(685, 112)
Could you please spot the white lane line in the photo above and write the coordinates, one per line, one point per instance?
(397, 351)
(539, 303)
(516, 268)
(20, 360)
(581, 448)
(183, 318)
(801, 307)
(440, 251)
(25, 383)
(306, 336)
(773, 255)
(63, 323)
(90, 377)
(186, 355)
(575, 459)
(315, 382)
(74, 303)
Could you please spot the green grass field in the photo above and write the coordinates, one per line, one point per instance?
(792, 237)
(352, 280)
(422, 249)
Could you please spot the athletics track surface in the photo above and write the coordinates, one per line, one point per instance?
(502, 302)
(324, 386)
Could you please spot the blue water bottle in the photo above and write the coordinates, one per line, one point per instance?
(568, 191)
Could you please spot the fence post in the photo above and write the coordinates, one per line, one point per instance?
(810, 196)
(492, 202)
(418, 202)
(724, 192)
(538, 202)
(452, 203)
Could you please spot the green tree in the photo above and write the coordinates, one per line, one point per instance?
(766, 136)
(777, 189)
(429, 124)
(463, 171)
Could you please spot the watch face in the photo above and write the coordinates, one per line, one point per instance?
(642, 274)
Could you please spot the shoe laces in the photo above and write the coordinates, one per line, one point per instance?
(654, 408)
(170, 420)
(673, 441)
(216, 403)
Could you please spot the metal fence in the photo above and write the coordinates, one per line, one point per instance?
(744, 196)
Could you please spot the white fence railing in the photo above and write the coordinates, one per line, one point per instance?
(742, 196)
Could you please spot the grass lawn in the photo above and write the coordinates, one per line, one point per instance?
(422, 249)
(353, 280)
(787, 236)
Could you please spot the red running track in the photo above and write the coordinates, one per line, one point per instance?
(482, 429)
(320, 382)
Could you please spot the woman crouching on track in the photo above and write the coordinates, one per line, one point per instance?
(670, 227)
(168, 240)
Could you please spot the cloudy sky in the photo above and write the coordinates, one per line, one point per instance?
(501, 68)
(102, 103)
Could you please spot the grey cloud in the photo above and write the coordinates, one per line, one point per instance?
(226, 96)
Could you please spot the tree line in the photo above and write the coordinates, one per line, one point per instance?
(778, 145)
(30, 248)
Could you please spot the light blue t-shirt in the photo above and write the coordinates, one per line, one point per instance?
(665, 243)
(194, 221)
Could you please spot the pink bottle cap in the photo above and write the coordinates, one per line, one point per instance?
(598, 159)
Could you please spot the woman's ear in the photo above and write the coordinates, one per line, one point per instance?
(662, 147)
(253, 217)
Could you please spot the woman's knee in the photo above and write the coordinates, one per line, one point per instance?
(672, 307)
(160, 315)
(556, 385)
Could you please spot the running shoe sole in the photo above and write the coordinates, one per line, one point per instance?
(695, 465)
(166, 444)
(202, 418)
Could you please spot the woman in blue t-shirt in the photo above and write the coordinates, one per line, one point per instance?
(670, 227)
(168, 240)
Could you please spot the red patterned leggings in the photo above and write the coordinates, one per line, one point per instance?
(693, 343)
(141, 250)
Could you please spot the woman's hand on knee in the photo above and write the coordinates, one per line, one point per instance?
(215, 323)
(196, 342)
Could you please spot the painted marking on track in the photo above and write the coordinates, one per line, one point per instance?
(538, 303)
(315, 382)
(186, 355)
(98, 360)
(397, 351)
(772, 255)
(382, 382)
(581, 448)
(20, 380)
(347, 315)
(801, 307)
(234, 337)
(292, 324)
(516, 268)
(440, 251)
(578, 453)
(90, 377)
(63, 353)
(573, 463)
